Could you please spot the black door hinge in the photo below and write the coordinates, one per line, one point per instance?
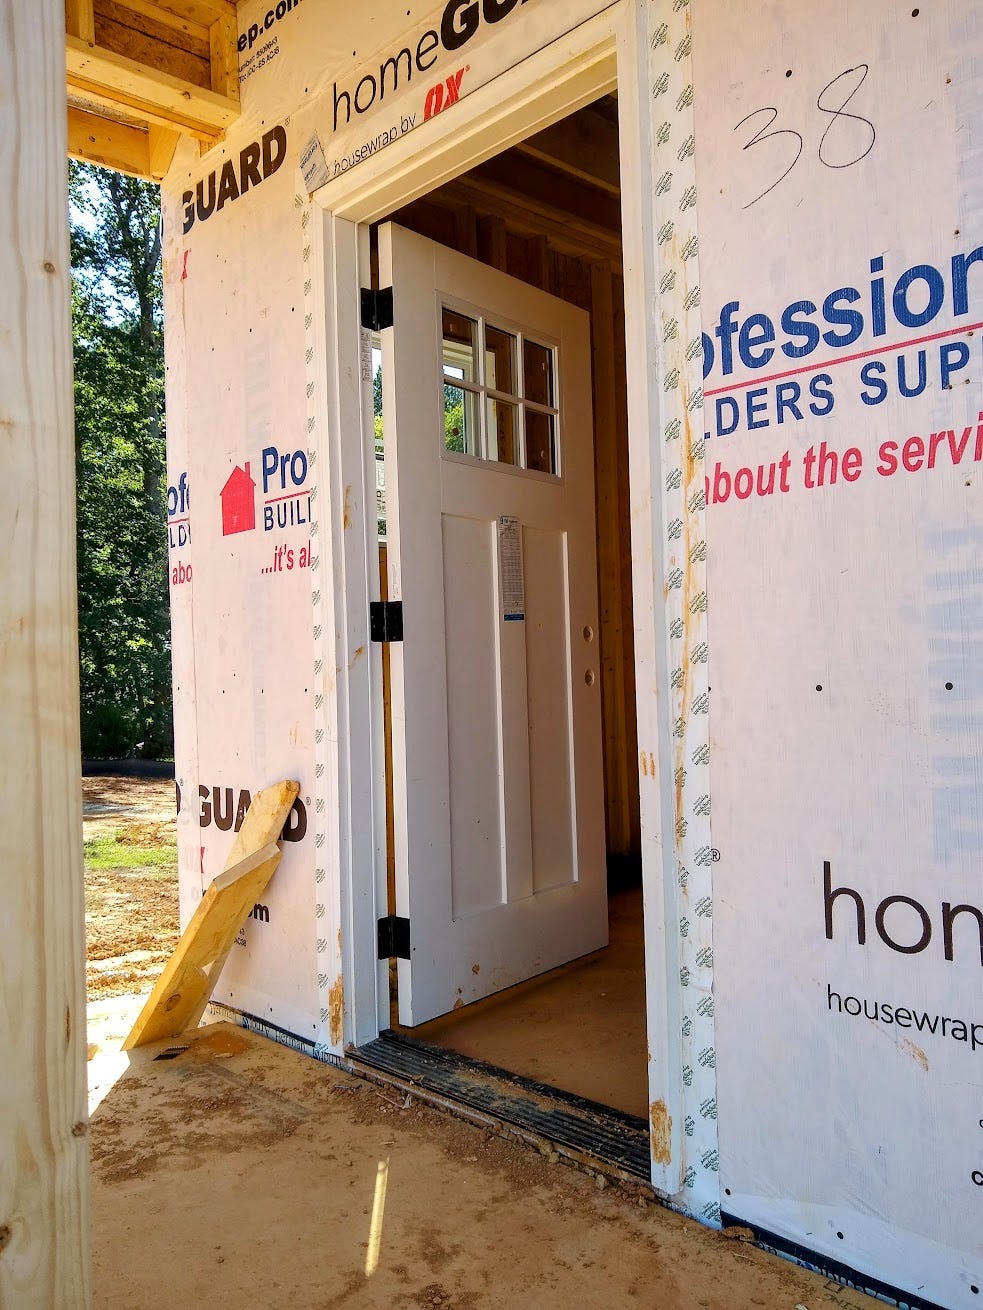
(377, 309)
(386, 620)
(394, 938)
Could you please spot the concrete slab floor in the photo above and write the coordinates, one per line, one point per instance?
(240, 1172)
(580, 1027)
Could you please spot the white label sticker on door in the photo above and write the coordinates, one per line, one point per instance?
(510, 568)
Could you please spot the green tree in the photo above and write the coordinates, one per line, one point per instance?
(453, 413)
(124, 623)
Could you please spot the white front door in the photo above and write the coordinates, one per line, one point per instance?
(496, 720)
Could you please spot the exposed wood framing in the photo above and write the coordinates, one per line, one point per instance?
(163, 16)
(614, 563)
(163, 143)
(224, 58)
(142, 73)
(44, 1189)
(585, 146)
(80, 20)
(491, 241)
(574, 216)
(142, 152)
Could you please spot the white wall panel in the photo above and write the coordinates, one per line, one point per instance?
(244, 650)
(838, 152)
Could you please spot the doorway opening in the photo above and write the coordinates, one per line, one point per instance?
(547, 213)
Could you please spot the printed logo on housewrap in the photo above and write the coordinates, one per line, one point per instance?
(394, 74)
(179, 526)
(254, 164)
(284, 502)
(225, 808)
(903, 331)
(269, 47)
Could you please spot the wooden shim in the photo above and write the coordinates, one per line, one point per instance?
(44, 1165)
(163, 143)
(184, 988)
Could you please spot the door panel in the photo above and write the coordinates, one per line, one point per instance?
(554, 844)
(497, 783)
(473, 678)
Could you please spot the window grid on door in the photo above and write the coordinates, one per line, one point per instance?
(500, 392)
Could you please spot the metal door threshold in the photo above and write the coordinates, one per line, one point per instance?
(582, 1130)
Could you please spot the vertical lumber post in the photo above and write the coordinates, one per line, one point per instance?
(610, 549)
(466, 230)
(80, 20)
(44, 1239)
(491, 241)
(608, 558)
(224, 57)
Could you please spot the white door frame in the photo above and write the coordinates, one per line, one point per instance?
(614, 49)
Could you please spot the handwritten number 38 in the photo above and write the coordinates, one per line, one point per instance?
(836, 129)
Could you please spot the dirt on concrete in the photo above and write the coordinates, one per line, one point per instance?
(236, 1171)
(131, 905)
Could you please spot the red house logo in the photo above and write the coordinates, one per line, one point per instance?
(238, 502)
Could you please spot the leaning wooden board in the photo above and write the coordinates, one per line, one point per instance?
(183, 989)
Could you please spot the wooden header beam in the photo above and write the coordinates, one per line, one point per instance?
(585, 146)
(142, 73)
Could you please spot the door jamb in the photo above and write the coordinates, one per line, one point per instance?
(607, 51)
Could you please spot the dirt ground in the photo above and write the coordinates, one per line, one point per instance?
(236, 1171)
(240, 1172)
(131, 909)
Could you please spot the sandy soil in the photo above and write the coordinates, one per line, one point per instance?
(131, 912)
(236, 1171)
(241, 1173)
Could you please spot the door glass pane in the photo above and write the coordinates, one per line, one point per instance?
(502, 431)
(460, 345)
(537, 369)
(540, 441)
(461, 432)
(499, 360)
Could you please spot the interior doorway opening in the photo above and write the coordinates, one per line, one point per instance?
(547, 212)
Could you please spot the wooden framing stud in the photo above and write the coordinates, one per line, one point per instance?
(80, 20)
(224, 57)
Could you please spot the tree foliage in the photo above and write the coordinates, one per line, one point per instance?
(124, 625)
(453, 413)
(453, 436)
